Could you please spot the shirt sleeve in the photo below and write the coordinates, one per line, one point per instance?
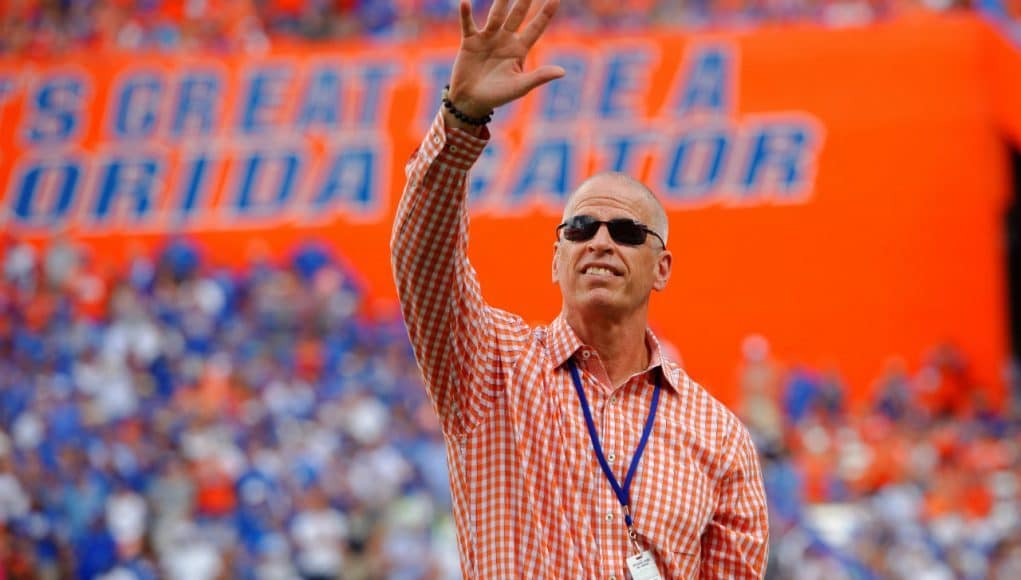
(462, 345)
(735, 543)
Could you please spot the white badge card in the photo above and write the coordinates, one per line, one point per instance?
(643, 567)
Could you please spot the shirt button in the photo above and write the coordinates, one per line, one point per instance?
(609, 517)
(611, 456)
(613, 578)
(613, 400)
(453, 148)
(585, 354)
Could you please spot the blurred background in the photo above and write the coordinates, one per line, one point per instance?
(203, 370)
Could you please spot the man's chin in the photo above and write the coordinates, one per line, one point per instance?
(598, 304)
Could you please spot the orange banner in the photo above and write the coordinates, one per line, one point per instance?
(837, 191)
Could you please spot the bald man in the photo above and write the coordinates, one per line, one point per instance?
(576, 449)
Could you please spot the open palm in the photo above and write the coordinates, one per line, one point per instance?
(489, 68)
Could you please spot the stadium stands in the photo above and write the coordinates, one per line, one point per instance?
(210, 423)
(926, 480)
(175, 419)
(46, 27)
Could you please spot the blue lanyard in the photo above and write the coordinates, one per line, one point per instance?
(622, 492)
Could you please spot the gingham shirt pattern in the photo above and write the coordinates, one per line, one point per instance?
(530, 500)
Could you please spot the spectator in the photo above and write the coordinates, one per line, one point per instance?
(320, 534)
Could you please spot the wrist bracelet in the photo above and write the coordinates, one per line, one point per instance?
(460, 115)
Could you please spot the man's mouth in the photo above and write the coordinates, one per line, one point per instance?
(598, 271)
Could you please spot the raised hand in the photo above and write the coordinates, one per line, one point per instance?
(489, 68)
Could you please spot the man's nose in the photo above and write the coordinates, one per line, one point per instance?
(602, 240)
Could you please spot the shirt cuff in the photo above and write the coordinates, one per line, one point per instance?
(454, 147)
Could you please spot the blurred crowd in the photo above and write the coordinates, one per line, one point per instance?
(175, 419)
(46, 27)
(172, 420)
(921, 480)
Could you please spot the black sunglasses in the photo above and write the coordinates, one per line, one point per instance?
(623, 231)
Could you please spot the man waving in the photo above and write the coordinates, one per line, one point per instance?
(577, 449)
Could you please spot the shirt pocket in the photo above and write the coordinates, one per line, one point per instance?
(681, 555)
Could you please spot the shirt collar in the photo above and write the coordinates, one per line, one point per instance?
(564, 342)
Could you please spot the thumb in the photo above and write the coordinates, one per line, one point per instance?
(541, 76)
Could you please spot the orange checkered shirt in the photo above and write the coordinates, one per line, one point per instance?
(530, 500)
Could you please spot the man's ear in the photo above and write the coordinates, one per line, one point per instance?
(556, 265)
(664, 267)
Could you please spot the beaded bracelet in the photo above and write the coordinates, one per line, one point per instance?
(460, 115)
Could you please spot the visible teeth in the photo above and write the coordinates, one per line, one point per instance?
(599, 271)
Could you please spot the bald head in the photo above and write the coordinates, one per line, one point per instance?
(608, 182)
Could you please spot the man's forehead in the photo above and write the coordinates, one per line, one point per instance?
(610, 191)
(611, 183)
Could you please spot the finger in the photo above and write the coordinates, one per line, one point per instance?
(538, 25)
(497, 14)
(467, 21)
(541, 76)
(517, 15)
